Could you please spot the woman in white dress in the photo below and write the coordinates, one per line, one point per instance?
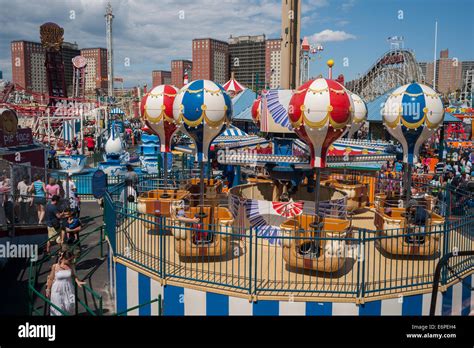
(60, 287)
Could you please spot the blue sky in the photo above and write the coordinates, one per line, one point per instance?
(149, 33)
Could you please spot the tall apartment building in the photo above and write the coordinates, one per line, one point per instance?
(69, 51)
(211, 60)
(273, 63)
(178, 69)
(28, 65)
(96, 69)
(448, 73)
(247, 60)
(465, 67)
(422, 66)
(28, 69)
(160, 77)
(1, 75)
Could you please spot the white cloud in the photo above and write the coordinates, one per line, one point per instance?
(328, 35)
(149, 33)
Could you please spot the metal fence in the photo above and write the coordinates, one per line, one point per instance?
(360, 263)
(82, 181)
(87, 301)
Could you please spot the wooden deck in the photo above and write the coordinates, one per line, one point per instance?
(260, 265)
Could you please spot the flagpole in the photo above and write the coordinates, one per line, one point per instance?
(434, 58)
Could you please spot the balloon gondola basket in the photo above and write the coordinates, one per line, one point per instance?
(208, 238)
(212, 189)
(159, 203)
(307, 248)
(401, 237)
(357, 193)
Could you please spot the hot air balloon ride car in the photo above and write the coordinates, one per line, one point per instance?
(201, 109)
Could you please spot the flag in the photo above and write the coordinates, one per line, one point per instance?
(264, 114)
(185, 78)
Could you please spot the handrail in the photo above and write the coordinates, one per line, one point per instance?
(47, 301)
(161, 261)
(142, 305)
(442, 262)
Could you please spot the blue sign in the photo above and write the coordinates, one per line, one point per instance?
(99, 184)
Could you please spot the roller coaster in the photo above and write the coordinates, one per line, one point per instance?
(394, 68)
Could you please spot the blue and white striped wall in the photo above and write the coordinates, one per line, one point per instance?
(134, 288)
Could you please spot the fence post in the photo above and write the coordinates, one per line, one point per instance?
(160, 306)
(76, 302)
(162, 248)
(101, 309)
(361, 267)
(250, 259)
(446, 235)
(102, 241)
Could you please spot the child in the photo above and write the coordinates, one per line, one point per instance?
(73, 226)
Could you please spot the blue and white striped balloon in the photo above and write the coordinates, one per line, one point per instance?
(411, 114)
(202, 107)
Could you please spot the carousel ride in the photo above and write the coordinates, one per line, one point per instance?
(290, 204)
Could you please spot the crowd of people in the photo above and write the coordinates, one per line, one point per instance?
(70, 149)
(452, 173)
(132, 134)
(19, 204)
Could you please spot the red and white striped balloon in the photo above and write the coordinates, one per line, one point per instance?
(319, 112)
(157, 112)
(359, 116)
(256, 107)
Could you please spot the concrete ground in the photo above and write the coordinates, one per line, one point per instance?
(92, 268)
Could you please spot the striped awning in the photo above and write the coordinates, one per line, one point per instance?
(233, 134)
(233, 131)
(233, 86)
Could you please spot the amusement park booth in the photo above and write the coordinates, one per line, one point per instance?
(20, 156)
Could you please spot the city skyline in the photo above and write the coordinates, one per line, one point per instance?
(352, 31)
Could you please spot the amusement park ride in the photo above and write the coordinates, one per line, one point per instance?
(319, 112)
(396, 67)
(286, 199)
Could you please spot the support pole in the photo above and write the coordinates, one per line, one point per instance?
(165, 174)
(316, 224)
(316, 191)
(202, 215)
(434, 59)
(49, 126)
(81, 113)
(408, 183)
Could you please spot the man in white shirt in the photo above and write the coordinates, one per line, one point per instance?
(24, 200)
(70, 193)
